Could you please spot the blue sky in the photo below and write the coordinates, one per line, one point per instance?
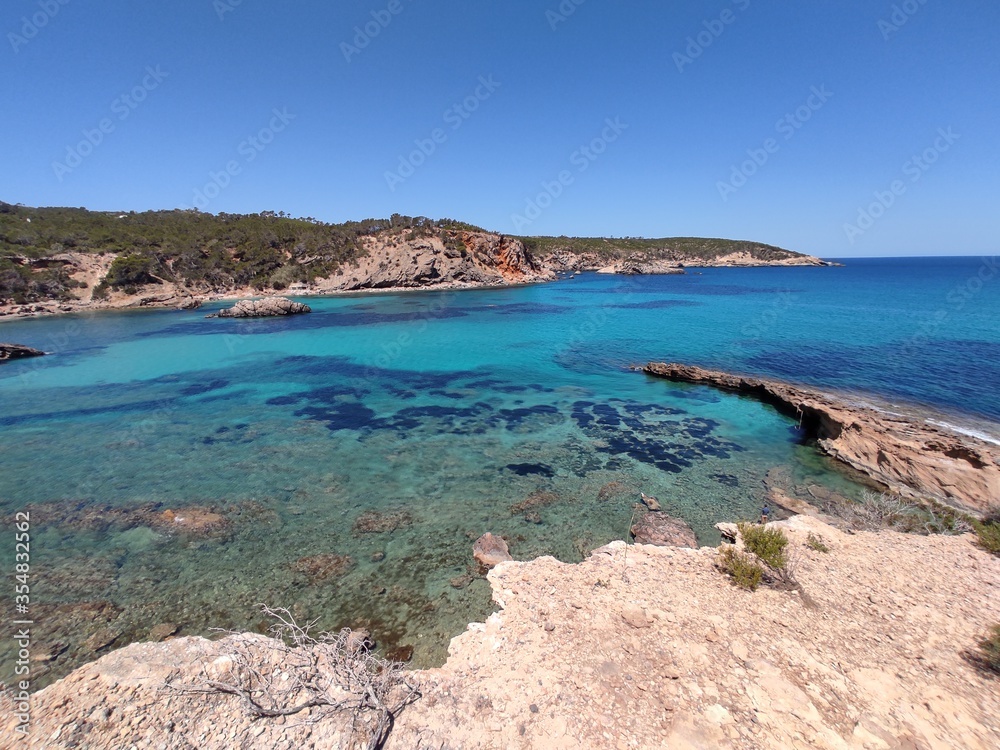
(790, 123)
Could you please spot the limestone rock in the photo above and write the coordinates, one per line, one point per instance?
(18, 351)
(268, 307)
(909, 453)
(663, 531)
(490, 550)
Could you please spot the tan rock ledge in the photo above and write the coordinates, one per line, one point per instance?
(909, 454)
(649, 647)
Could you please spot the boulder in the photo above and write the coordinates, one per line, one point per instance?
(490, 550)
(729, 531)
(18, 351)
(650, 502)
(663, 530)
(268, 307)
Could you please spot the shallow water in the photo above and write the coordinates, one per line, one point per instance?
(449, 413)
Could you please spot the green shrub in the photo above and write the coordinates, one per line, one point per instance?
(130, 271)
(816, 543)
(988, 531)
(745, 571)
(989, 651)
(768, 544)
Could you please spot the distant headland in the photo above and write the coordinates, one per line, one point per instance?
(71, 259)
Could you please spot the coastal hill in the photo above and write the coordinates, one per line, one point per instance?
(65, 259)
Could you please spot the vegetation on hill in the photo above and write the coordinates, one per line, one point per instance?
(268, 250)
(670, 248)
(189, 247)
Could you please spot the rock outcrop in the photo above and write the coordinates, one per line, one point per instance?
(490, 550)
(907, 454)
(646, 648)
(662, 530)
(268, 307)
(642, 267)
(467, 259)
(18, 351)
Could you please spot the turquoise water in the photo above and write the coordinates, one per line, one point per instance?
(449, 414)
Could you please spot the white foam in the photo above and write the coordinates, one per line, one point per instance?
(965, 431)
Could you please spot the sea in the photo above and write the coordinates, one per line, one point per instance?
(356, 453)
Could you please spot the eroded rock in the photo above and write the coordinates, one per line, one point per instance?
(264, 308)
(490, 550)
(663, 531)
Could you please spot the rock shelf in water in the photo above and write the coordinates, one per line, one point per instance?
(905, 453)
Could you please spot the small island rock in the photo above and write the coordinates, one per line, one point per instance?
(18, 351)
(268, 307)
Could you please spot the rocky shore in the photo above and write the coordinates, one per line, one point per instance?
(912, 456)
(644, 647)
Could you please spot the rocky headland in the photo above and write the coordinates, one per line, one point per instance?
(73, 260)
(910, 455)
(637, 647)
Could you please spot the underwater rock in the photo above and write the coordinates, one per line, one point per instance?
(18, 351)
(537, 499)
(490, 550)
(197, 521)
(162, 631)
(268, 307)
(401, 653)
(380, 522)
(663, 531)
(323, 566)
(613, 489)
(650, 502)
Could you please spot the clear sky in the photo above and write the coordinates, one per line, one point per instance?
(833, 127)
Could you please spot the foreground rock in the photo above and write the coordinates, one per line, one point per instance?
(907, 454)
(268, 307)
(652, 648)
(18, 351)
(490, 550)
(663, 531)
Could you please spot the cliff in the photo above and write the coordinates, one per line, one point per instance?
(646, 648)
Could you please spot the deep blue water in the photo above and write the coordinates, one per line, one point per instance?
(445, 411)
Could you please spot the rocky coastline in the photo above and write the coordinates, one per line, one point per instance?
(635, 647)
(913, 456)
(388, 263)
